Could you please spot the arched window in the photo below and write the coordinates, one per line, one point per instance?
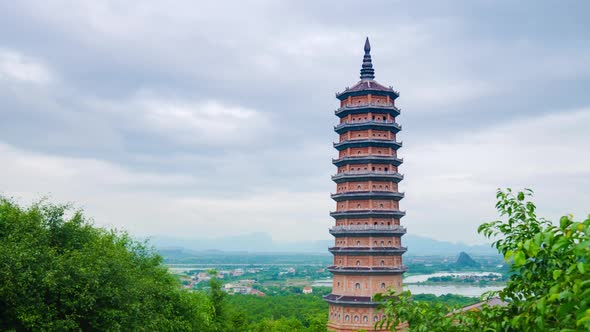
(381, 205)
(389, 243)
(347, 318)
(375, 318)
(358, 243)
(359, 152)
(383, 243)
(382, 263)
(358, 263)
(375, 243)
(356, 318)
(382, 285)
(358, 206)
(357, 285)
(365, 319)
(358, 187)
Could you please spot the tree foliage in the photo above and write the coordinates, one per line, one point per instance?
(549, 286)
(549, 289)
(59, 273)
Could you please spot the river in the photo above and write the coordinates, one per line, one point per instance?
(410, 284)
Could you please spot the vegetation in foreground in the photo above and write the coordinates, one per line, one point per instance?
(59, 273)
(549, 285)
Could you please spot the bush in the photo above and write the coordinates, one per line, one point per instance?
(58, 272)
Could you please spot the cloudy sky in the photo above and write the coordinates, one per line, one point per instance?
(213, 118)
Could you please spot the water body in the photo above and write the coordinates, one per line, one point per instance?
(423, 277)
(464, 290)
(410, 284)
(322, 283)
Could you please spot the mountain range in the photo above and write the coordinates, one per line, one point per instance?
(263, 243)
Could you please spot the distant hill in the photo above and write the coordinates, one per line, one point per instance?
(262, 242)
(464, 260)
(422, 246)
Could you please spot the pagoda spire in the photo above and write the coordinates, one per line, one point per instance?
(367, 71)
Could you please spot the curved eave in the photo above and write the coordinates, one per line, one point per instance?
(375, 176)
(364, 301)
(367, 270)
(375, 125)
(365, 251)
(396, 196)
(367, 232)
(367, 214)
(362, 143)
(367, 159)
(375, 92)
(362, 109)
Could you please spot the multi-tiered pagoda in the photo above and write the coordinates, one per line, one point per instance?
(368, 250)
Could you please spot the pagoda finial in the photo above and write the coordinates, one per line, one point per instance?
(367, 71)
(367, 46)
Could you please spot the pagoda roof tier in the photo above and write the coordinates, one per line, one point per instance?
(365, 301)
(367, 230)
(367, 214)
(363, 143)
(367, 270)
(364, 251)
(368, 159)
(370, 124)
(373, 194)
(365, 87)
(367, 175)
(361, 108)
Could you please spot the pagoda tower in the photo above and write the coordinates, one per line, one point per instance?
(367, 250)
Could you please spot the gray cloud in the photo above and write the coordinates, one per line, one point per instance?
(156, 116)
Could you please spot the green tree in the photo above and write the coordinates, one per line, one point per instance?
(549, 285)
(217, 296)
(549, 289)
(59, 273)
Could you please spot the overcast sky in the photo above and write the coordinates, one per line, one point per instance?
(213, 118)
